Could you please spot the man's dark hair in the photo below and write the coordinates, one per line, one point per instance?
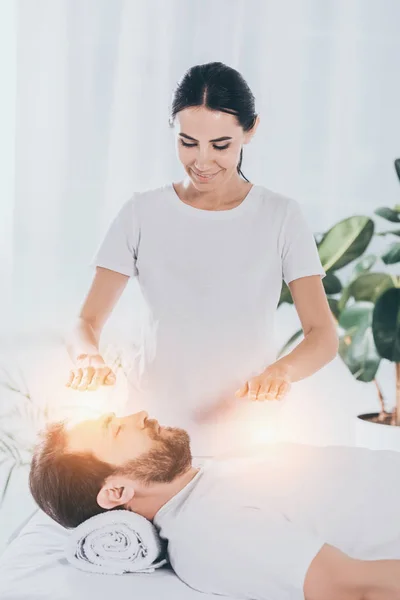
(65, 484)
(217, 87)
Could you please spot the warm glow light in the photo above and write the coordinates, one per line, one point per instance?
(264, 435)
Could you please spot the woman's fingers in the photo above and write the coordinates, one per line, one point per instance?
(241, 392)
(272, 384)
(78, 373)
(276, 390)
(254, 386)
(70, 379)
(110, 379)
(250, 389)
(103, 376)
(271, 390)
(90, 378)
(88, 373)
(97, 381)
(283, 390)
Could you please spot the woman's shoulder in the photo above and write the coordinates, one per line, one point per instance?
(276, 200)
(150, 194)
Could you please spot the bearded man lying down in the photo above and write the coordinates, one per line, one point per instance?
(289, 521)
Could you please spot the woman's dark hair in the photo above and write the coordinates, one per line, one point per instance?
(217, 87)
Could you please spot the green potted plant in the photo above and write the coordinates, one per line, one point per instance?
(366, 306)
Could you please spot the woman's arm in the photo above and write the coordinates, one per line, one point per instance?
(318, 348)
(320, 344)
(82, 343)
(106, 289)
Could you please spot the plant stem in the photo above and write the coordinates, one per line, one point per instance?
(381, 400)
(397, 365)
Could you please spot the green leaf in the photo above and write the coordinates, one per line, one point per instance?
(290, 342)
(388, 213)
(360, 357)
(391, 232)
(397, 167)
(286, 296)
(364, 265)
(357, 348)
(332, 284)
(392, 256)
(369, 286)
(334, 306)
(344, 298)
(386, 325)
(344, 242)
(355, 316)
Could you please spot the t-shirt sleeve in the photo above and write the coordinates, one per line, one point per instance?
(247, 552)
(299, 251)
(118, 250)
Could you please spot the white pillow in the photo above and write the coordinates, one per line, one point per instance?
(33, 567)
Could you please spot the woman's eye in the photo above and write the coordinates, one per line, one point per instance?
(187, 145)
(117, 431)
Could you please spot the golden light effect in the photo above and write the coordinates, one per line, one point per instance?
(76, 406)
(264, 435)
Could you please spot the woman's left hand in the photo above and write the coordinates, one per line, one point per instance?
(272, 384)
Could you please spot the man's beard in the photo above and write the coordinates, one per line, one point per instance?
(172, 457)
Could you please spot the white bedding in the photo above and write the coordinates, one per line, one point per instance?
(32, 567)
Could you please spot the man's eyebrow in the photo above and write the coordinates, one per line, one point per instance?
(220, 139)
(106, 423)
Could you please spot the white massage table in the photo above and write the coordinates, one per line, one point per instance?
(32, 568)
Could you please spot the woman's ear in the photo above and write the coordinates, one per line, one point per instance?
(115, 492)
(250, 134)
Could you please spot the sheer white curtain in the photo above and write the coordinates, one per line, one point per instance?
(85, 92)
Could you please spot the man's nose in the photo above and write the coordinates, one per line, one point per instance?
(141, 418)
(106, 416)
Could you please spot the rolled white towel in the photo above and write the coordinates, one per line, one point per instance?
(115, 542)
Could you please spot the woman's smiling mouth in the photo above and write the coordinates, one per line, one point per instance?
(204, 177)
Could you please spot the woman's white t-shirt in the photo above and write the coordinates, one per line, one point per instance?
(211, 281)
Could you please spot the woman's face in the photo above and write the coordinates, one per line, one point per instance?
(208, 145)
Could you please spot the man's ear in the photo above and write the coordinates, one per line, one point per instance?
(115, 492)
(250, 134)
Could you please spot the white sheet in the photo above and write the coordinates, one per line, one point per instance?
(32, 567)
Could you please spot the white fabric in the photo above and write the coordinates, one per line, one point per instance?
(103, 75)
(115, 543)
(211, 281)
(250, 527)
(33, 567)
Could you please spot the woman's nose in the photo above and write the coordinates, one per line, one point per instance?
(202, 160)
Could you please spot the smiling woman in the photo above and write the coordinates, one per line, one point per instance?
(210, 253)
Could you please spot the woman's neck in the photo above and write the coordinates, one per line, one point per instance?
(224, 197)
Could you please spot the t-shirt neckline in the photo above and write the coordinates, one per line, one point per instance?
(213, 214)
(178, 498)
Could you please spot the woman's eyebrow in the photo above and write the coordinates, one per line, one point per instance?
(220, 139)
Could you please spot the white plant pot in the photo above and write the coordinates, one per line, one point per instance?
(376, 436)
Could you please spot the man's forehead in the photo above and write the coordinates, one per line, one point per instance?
(83, 434)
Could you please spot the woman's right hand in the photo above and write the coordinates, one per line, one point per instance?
(89, 373)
